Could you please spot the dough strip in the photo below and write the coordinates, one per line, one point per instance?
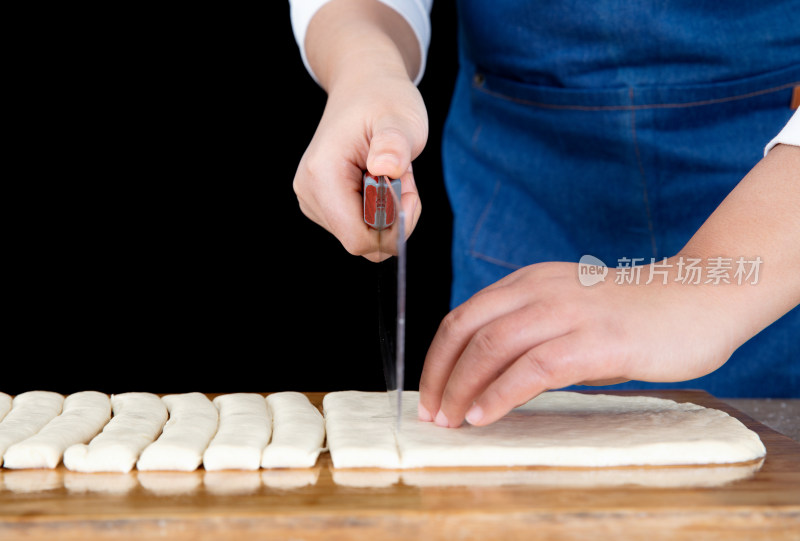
(298, 432)
(138, 420)
(84, 415)
(245, 426)
(191, 425)
(30, 411)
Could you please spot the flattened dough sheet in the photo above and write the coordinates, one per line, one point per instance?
(557, 428)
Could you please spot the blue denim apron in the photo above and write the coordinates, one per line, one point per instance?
(614, 128)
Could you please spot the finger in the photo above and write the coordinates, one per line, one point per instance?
(410, 200)
(389, 152)
(348, 225)
(554, 364)
(453, 335)
(603, 382)
(526, 378)
(377, 256)
(331, 196)
(492, 349)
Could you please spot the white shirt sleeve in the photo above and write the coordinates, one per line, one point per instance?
(415, 12)
(789, 135)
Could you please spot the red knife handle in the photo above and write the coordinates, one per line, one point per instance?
(379, 204)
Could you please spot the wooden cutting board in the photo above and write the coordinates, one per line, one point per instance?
(750, 501)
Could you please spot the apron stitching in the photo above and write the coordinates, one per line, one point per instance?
(476, 134)
(642, 177)
(494, 261)
(478, 227)
(632, 107)
(482, 217)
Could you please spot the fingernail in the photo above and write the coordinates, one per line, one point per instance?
(475, 414)
(424, 414)
(441, 420)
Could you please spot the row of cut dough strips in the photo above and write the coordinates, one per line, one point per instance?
(94, 432)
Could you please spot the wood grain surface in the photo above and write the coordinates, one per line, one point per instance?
(747, 501)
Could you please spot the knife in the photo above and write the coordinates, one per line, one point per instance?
(384, 213)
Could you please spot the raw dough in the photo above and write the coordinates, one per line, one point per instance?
(192, 423)
(245, 425)
(360, 429)
(298, 432)
(557, 428)
(30, 411)
(138, 420)
(84, 415)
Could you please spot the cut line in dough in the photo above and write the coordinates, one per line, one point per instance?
(192, 423)
(137, 421)
(30, 411)
(360, 430)
(84, 414)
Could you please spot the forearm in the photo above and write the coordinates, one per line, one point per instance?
(760, 218)
(348, 40)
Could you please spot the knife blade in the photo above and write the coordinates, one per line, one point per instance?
(384, 213)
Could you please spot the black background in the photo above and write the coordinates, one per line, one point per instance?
(153, 240)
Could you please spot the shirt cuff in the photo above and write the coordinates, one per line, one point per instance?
(789, 135)
(415, 12)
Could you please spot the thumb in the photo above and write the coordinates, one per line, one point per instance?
(389, 152)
